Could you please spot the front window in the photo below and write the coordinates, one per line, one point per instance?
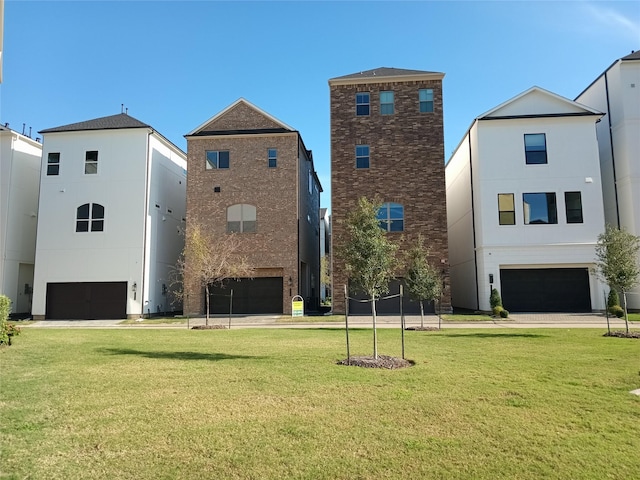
(272, 155)
(91, 163)
(362, 103)
(506, 209)
(426, 100)
(540, 208)
(90, 217)
(217, 159)
(362, 156)
(573, 205)
(53, 164)
(391, 217)
(241, 218)
(535, 148)
(386, 103)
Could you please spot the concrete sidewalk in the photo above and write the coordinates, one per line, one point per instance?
(516, 320)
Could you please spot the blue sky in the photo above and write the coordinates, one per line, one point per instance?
(176, 64)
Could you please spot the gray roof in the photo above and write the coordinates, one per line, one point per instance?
(384, 72)
(632, 56)
(113, 122)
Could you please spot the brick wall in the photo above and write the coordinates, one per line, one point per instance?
(406, 166)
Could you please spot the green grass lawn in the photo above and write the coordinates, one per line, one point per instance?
(273, 404)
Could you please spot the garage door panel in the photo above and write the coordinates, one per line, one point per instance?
(250, 296)
(546, 290)
(86, 300)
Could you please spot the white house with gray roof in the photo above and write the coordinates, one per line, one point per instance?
(111, 216)
(524, 207)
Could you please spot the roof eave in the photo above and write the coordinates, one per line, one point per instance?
(386, 79)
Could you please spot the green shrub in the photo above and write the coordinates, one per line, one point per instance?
(497, 310)
(613, 300)
(617, 310)
(7, 330)
(504, 313)
(494, 299)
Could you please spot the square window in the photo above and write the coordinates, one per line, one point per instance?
(91, 163)
(425, 96)
(217, 159)
(362, 156)
(573, 205)
(53, 164)
(362, 103)
(535, 148)
(272, 156)
(540, 208)
(386, 103)
(506, 209)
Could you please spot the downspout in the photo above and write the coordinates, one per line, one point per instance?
(473, 224)
(147, 194)
(613, 158)
(298, 211)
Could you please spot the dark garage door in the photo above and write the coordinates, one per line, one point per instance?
(250, 296)
(88, 300)
(546, 290)
(389, 306)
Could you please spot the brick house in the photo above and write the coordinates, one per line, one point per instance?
(387, 140)
(251, 174)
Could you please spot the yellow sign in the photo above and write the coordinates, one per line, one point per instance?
(297, 307)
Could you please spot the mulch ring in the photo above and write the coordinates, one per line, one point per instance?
(208, 327)
(423, 329)
(383, 361)
(622, 334)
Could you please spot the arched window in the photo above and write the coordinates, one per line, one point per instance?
(90, 217)
(391, 217)
(241, 218)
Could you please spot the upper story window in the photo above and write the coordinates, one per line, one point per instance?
(386, 103)
(362, 103)
(391, 217)
(53, 164)
(506, 209)
(272, 157)
(425, 96)
(362, 156)
(217, 159)
(540, 208)
(91, 162)
(90, 217)
(535, 148)
(241, 218)
(573, 205)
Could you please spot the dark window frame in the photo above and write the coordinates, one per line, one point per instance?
(363, 108)
(221, 162)
(53, 163)
(425, 106)
(91, 162)
(507, 217)
(272, 157)
(90, 218)
(534, 155)
(387, 107)
(573, 214)
(551, 208)
(363, 161)
(388, 220)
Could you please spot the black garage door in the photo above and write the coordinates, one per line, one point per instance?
(250, 296)
(546, 290)
(389, 306)
(88, 300)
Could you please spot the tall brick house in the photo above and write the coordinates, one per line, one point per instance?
(250, 174)
(387, 140)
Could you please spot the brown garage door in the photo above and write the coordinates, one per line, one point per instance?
(87, 300)
(389, 306)
(250, 296)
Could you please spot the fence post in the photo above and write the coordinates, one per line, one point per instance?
(402, 320)
(230, 307)
(346, 322)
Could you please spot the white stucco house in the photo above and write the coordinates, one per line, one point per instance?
(617, 93)
(524, 207)
(19, 182)
(111, 215)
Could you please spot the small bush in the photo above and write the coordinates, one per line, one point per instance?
(7, 330)
(497, 310)
(504, 313)
(617, 310)
(613, 300)
(494, 299)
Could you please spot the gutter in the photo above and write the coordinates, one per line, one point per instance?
(473, 224)
(613, 157)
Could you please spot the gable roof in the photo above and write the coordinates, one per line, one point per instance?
(634, 55)
(537, 102)
(199, 130)
(384, 74)
(112, 122)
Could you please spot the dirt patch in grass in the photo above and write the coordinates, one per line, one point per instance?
(383, 361)
(423, 329)
(621, 334)
(209, 327)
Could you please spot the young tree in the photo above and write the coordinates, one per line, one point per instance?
(368, 255)
(421, 278)
(209, 260)
(617, 253)
(325, 273)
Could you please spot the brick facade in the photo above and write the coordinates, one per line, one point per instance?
(273, 249)
(406, 162)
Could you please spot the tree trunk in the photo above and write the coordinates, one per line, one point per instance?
(626, 316)
(421, 315)
(206, 302)
(375, 333)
